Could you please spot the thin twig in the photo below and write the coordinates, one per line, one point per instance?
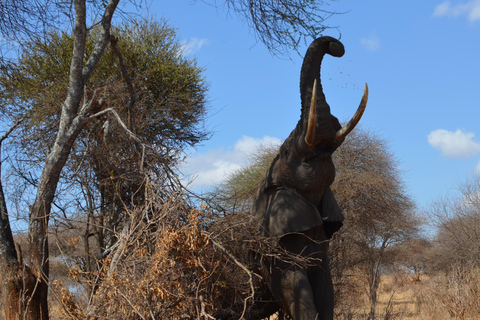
(131, 305)
(250, 280)
(13, 127)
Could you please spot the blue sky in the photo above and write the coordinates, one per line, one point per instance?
(421, 62)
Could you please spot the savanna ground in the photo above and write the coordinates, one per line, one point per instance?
(431, 297)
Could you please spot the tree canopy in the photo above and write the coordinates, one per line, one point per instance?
(166, 107)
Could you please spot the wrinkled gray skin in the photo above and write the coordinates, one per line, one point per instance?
(295, 203)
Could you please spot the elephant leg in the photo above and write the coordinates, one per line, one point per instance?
(319, 275)
(322, 288)
(290, 283)
(297, 295)
(291, 288)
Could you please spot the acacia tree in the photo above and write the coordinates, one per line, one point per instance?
(159, 95)
(415, 254)
(282, 25)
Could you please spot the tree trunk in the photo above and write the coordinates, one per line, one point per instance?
(12, 275)
(9, 264)
(38, 224)
(375, 278)
(373, 298)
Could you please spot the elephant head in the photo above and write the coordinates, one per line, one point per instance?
(295, 204)
(295, 195)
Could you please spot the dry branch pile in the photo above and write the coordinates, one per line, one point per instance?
(173, 260)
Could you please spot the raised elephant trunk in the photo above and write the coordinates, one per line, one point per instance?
(313, 98)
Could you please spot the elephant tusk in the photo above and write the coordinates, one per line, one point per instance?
(344, 131)
(312, 118)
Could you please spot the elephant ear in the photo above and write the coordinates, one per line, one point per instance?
(283, 210)
(331, 213)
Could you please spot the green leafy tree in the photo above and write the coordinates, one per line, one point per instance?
(157, 93)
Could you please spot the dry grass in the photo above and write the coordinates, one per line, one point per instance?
(453, 295)
(399, 297)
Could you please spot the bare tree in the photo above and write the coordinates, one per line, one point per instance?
(22, 19)
(282, 25)
(457, 218)
(19, 20)
(378, 212)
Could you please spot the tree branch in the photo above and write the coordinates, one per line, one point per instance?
(128, 82)
(245, 269)
(102, 42)
(119, 120)
(7, 133)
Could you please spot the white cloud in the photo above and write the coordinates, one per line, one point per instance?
(193, 46)
(456, 144)
(442, 9)
(475, 12)
(471, 9)
(212, 167)
(371, 43)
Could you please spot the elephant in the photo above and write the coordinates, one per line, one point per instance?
(294, 202)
